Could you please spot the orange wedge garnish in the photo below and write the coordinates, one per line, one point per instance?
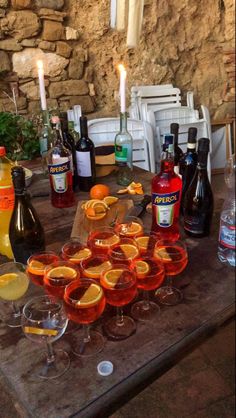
(62, 272)
(142, 268)
(95, 272)
(81, 255)
(131, 229)
(130, 251)
(107, 242)
(110, 200)
(142, 242)
(111, 277)
(91, 297)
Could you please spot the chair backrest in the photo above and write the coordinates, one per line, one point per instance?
(104, 130)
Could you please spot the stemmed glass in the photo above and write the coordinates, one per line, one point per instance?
(44, 321)
(75, 251)
(174, 256)
(124, 251)
(84, 303)
(130, 227)
(150, 275)
(120, 288)
(101, 239)
(36, 265)
(14, 283)
(93, 267)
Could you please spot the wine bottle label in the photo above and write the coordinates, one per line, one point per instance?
(83, 160)
(227, 236)
(123, 154)
(7, 197)
(59, 175)
(195, 224)
(164, 205)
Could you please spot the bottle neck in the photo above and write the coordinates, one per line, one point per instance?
(57, 133)
(167, 160)
(46, 118)
(191, 147)
(83, 128)
(123, 121)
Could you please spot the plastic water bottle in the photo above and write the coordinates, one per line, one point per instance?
(226, 247)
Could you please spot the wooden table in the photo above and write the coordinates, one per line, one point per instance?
(208, 288)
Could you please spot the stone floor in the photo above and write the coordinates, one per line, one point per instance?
(202, 385)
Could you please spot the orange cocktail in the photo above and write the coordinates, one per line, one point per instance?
(100, 240)
(130, 227)
(94, 266)
(125, 251)
(58, 275)
(172, 255)
(36, 265)
(149, 272)
(75, 251)
(147, 242)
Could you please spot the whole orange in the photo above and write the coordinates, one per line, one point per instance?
(99, 191)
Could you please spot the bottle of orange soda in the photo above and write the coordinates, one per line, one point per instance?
(6, 203)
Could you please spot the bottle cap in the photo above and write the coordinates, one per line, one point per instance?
(105, 368)
(2, 151)
(174, 127)
(18, 179)
(168, 142)
(192, 135)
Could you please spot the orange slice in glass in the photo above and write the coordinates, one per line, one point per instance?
(142, 242)
(162, 254)
(130, 251)
(95, 272)
(111, 277)
(91, 297)
(36, 267)
(142, 268)
(81, 255)
(62, 272)
(131, 229)
(107, 242)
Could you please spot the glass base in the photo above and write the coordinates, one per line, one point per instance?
(14, 321)
(120, 331)
(144, 310)
(72, 327)
(87, 348)
(53, 370)
(168, 295)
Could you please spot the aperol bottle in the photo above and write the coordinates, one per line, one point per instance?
(166, 194)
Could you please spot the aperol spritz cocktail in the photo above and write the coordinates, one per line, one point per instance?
(75, 251)
(84, 303)
(150, 275)
(58, 275)
(102, 239)
(36, 265)
(124, 251)
(93, 267)
(174, 256)
(146, 243)
(130, 227)
(120, 287)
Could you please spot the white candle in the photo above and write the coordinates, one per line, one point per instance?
(41, 85)
(123, 75)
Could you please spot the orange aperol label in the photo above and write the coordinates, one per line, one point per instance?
(7, 197)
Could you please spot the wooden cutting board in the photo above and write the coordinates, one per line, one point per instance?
(82, 225)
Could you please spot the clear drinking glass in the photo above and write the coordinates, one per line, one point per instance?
(44, 321)
(14, 283)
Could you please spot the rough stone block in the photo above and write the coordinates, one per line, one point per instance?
(2, 12)
(29, 43)
(52, 31)
(21, 4)
(88, 75)
(63, 49)
(63, 76)
(50, 4)
(30, 90)
(21, 24)
(71, 34)
(10, 45)
(76, 68)
(6, 105)
(24, 63)
(49, 46)
(5, 64)
(68, 87)
(84, 101)
(51, 15)
(80, 53)
(4, 3)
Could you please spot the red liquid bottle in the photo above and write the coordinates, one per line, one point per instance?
(166, 195)
(59, 161)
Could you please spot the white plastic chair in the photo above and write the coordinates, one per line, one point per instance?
(103, 131)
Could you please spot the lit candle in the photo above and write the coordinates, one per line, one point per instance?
(42, 85)
(123, 75)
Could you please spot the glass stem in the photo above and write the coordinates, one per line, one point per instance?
(119, 317)
(86, 334)
(145, 300)
(169, 282)
(16, 310)
(50, 354)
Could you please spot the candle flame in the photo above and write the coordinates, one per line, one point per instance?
(40, 64)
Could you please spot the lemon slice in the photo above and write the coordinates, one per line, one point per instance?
(62, 272)
(5, 279)
(131, 229)
(142, 242)
(95, 271)
(130, 251)
(110, 200)
(107, 242)
(142, 268)
(111, 277)
(40, 331)
(81, 255)
(91, 297)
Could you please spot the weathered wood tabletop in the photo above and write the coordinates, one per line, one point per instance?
(208, 288)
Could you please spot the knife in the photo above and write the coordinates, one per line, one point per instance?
(139, 207)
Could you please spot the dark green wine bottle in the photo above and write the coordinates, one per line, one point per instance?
(25, 230)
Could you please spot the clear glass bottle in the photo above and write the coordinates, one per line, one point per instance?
(226, 246)
(124, 153)
(45, 138)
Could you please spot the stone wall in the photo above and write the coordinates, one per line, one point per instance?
(187, 43)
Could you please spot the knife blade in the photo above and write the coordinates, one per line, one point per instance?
(139, 208)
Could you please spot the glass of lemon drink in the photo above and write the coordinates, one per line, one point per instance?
(14, 283)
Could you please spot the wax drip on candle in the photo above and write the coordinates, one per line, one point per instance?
(41, 85)
(123, 75)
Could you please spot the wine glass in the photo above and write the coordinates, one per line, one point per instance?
(14, 283)
(174, 256)
(36, 264)
(84, 303)
(147, 241)
(130, 227)
(124, 251)
(150, 275)
(120, 288)
(93, 267)
(75, 251)
(101, 239)
(44, 321)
